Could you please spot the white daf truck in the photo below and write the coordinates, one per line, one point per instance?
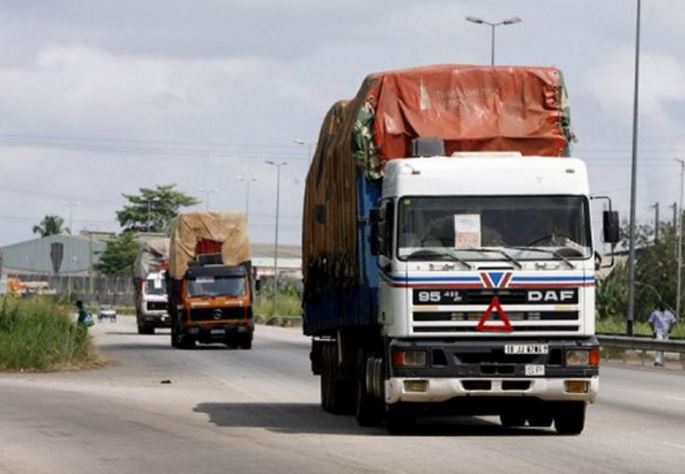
(485, 267)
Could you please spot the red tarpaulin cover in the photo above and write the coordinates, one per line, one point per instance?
(472, 108)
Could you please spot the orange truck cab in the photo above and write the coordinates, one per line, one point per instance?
(213, 303)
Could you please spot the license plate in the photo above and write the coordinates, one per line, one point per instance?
(217, 331)
(535, 370)
(526, 349)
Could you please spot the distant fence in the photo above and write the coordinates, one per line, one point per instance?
(643, 344)
(95, 289)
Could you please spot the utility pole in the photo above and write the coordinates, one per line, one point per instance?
(247, 194)
(278, 200)
(680, 240)
(656, 221)
(633, 181)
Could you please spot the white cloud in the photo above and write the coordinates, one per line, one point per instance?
(662, 87)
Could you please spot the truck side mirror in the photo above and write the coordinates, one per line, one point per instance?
(611, 227)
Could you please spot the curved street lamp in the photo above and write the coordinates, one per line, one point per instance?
(480, 21)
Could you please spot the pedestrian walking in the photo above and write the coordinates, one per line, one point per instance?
(662, 322)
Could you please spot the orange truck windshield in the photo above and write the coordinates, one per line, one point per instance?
(205, 286)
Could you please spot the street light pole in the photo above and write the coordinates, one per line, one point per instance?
(207, 192)
(247, 194)
(71, 205)
(480, 21)
(309, 146)
(633, 182)
(278, 198)
(149, 211)
(656, 221)
(680, 240)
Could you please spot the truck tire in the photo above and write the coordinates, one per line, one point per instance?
(368, 409)
(181, 341)
(174, 340)
(186, 342)
(540, 420)
(511, 420)
(337, 392)
(246, 342)
(569, 418)
(400, 419)
(145, 329)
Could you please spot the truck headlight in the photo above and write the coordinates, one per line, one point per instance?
(582, 357)
(409, 358)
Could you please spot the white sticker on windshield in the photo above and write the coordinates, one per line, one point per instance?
(204, 279)
(157, 283)
(467, 230)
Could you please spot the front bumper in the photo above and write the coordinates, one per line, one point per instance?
(160, 320)
(444, 389)
(220, 332)
(482, 368)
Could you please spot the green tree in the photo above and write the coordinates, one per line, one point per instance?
(51, 225)
(118, 257)
(655, 275)
(153, 209)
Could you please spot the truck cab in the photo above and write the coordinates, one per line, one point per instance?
(151, 303)
(487, 288)
(213, 303)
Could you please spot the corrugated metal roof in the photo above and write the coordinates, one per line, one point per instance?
(34, 255)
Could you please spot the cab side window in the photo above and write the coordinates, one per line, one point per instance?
(385, 227)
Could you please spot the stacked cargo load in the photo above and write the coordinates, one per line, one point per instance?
(198, 233)
(152, 257)
(468, 108)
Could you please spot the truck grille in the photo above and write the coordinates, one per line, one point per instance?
(217, 314)
(156, 306)
(513, 316)
(472, 329)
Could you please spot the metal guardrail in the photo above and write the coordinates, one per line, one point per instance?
(643, 344)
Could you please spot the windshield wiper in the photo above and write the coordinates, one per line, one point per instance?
(499, 251)
(429, 254)
(550, 252)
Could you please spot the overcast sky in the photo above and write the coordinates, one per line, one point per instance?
(100, 98)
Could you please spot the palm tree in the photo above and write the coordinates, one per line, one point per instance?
(51, 225)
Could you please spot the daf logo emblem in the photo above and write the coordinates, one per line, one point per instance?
(217, 314)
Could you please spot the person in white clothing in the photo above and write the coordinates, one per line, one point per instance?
(662, 322)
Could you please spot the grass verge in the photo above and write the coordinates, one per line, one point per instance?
(287, 304)
(38, 334)
(640, 328)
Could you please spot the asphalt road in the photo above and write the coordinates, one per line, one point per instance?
(235, 411)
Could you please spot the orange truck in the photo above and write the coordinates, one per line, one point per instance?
(210, 280)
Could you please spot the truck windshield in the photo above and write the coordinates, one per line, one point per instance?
(523, 227)
(216, 286)
(155, 287)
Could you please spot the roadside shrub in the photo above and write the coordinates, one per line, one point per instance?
(39, 334)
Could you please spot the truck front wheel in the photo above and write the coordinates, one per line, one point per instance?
(246, 342)
(368, 410)
(569, 418)
(400, 419)
(512, 420)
